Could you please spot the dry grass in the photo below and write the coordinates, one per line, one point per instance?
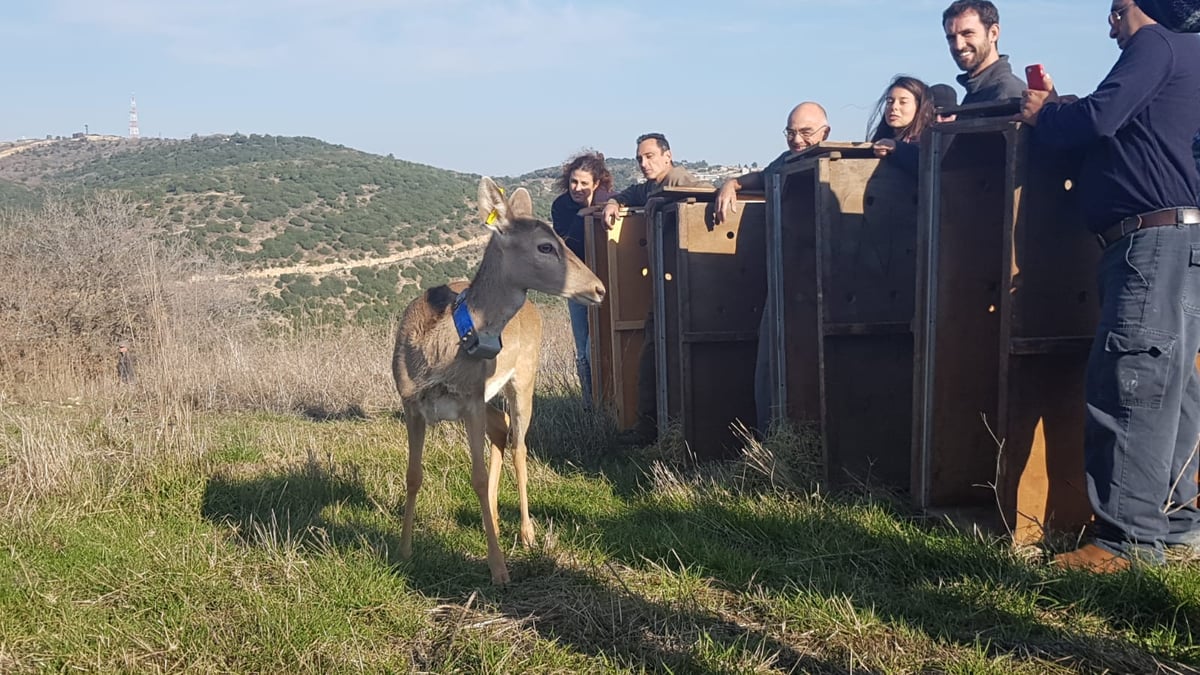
(237, 510)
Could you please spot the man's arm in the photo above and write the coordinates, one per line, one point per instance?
(727, 196)
(1136, 78)
(634, 195)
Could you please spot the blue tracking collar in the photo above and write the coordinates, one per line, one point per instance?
(485, 347)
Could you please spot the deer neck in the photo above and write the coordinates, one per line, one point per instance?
(492, 299)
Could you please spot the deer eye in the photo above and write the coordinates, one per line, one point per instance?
(545, 248)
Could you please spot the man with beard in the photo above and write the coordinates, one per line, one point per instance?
(1138, 191)
(973, 33)
(658, 167)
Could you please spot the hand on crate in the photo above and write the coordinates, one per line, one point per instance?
(726, 201)
(884, 147)
(610, 214)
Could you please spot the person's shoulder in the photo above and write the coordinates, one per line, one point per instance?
(602, 195)
(563, 207)
(681, 177)
(1156, 36)
(678, 172)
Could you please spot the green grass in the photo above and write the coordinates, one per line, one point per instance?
(256, 543)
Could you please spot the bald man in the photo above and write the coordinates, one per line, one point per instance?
(807, 125)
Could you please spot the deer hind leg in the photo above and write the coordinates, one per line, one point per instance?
(415, 424)
(497, 434)
(521, 400)
(476, 422)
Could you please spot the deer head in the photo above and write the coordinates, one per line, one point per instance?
(531, 255)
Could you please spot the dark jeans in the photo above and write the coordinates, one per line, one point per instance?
(1143, 392)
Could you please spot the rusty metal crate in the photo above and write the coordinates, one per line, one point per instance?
(866, 238)
(842, 267)
(710, 289)
(1006, 311)
(620, 258)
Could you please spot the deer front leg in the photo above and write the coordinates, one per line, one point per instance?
(497, 434)
(522, 400)
(415, 423)
(476, 423)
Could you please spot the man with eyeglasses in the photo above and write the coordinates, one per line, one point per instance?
(807, 125)
(973, 33)
(1138, 190)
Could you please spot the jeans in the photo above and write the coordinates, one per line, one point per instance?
(583, 345)
(1143, 393)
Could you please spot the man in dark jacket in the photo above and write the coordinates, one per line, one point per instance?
(973, 33)
(1138, 190)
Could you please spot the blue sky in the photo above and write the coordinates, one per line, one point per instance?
(500, 87)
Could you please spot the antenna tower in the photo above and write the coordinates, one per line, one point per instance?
(133, 123)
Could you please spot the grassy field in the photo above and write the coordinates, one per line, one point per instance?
(240, 512)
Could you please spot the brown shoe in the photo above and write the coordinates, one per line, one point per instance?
(1092, 558)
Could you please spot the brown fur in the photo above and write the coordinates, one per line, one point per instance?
(437, 380)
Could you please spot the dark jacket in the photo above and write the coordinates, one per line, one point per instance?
(568, 224)
(1136, 130)
(639, 193)
(994, 83)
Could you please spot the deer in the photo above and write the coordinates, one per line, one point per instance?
(461, 345)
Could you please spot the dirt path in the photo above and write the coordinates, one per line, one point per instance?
(302, 268)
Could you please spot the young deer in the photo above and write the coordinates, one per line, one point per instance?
(446, 363)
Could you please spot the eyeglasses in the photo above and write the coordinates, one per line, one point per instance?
(1116, 15)
(806, 134)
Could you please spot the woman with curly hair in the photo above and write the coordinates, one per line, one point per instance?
(585, 181)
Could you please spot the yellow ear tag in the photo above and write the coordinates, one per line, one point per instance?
(494, 214)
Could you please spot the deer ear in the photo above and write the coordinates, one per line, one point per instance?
(493, 208)
(520, 204)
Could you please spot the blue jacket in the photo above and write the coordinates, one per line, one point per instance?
(1135, 131)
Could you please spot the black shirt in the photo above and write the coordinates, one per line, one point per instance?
(994, 83)
(1135, 130)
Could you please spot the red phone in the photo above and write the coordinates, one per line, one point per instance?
(1035, 76)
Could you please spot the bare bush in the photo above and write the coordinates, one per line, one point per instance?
(79, 276)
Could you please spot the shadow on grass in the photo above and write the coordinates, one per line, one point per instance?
(562, 604)
(926, 577)
(947, 585)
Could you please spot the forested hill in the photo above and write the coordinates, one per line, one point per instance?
(263, 200)
(316, 220)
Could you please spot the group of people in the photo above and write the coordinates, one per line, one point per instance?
(1139, 191)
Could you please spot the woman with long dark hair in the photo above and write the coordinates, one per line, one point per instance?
(902, 113)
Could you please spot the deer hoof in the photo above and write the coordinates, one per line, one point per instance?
(500, 577)
(528, 538)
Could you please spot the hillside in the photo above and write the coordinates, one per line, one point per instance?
(277, 206)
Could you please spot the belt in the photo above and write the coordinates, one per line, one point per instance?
(1183, 215)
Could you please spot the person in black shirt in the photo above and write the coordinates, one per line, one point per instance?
(1138, 189)
(585, 181)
